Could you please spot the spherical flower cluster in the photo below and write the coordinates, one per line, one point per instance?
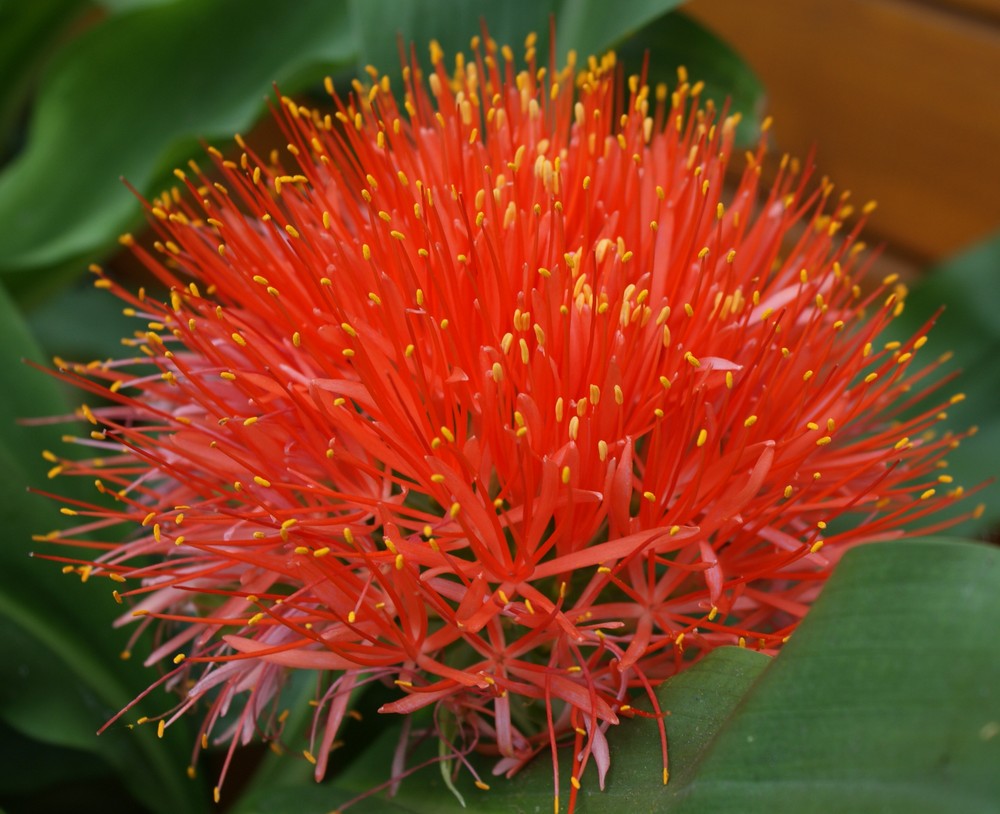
(513, 393)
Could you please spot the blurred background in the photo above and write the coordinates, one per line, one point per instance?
(899, 98)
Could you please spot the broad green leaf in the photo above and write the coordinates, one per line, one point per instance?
(30, 766)
(28, 34)
(132, 96)
(53, 694)
(61, 677)
(80, 322)
(586, 26)
(27, 394)
(886, 700)
(968, 285)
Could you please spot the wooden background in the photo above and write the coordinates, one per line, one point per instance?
(901, 99)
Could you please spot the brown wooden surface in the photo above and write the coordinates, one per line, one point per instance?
(901, 98)
(988, 9)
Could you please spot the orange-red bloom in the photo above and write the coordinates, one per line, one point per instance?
(494, 392)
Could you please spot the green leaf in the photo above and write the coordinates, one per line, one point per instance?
(886, 700)
(30, 766)
(28, 393)
(586, 26)
(131, 97)
(61, 678)
(81, 322)
(967, 286)
(53, 692)
(28, 34)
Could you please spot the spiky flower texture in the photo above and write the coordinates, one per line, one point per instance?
(501, 395)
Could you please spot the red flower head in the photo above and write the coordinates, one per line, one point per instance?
(495, 392)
